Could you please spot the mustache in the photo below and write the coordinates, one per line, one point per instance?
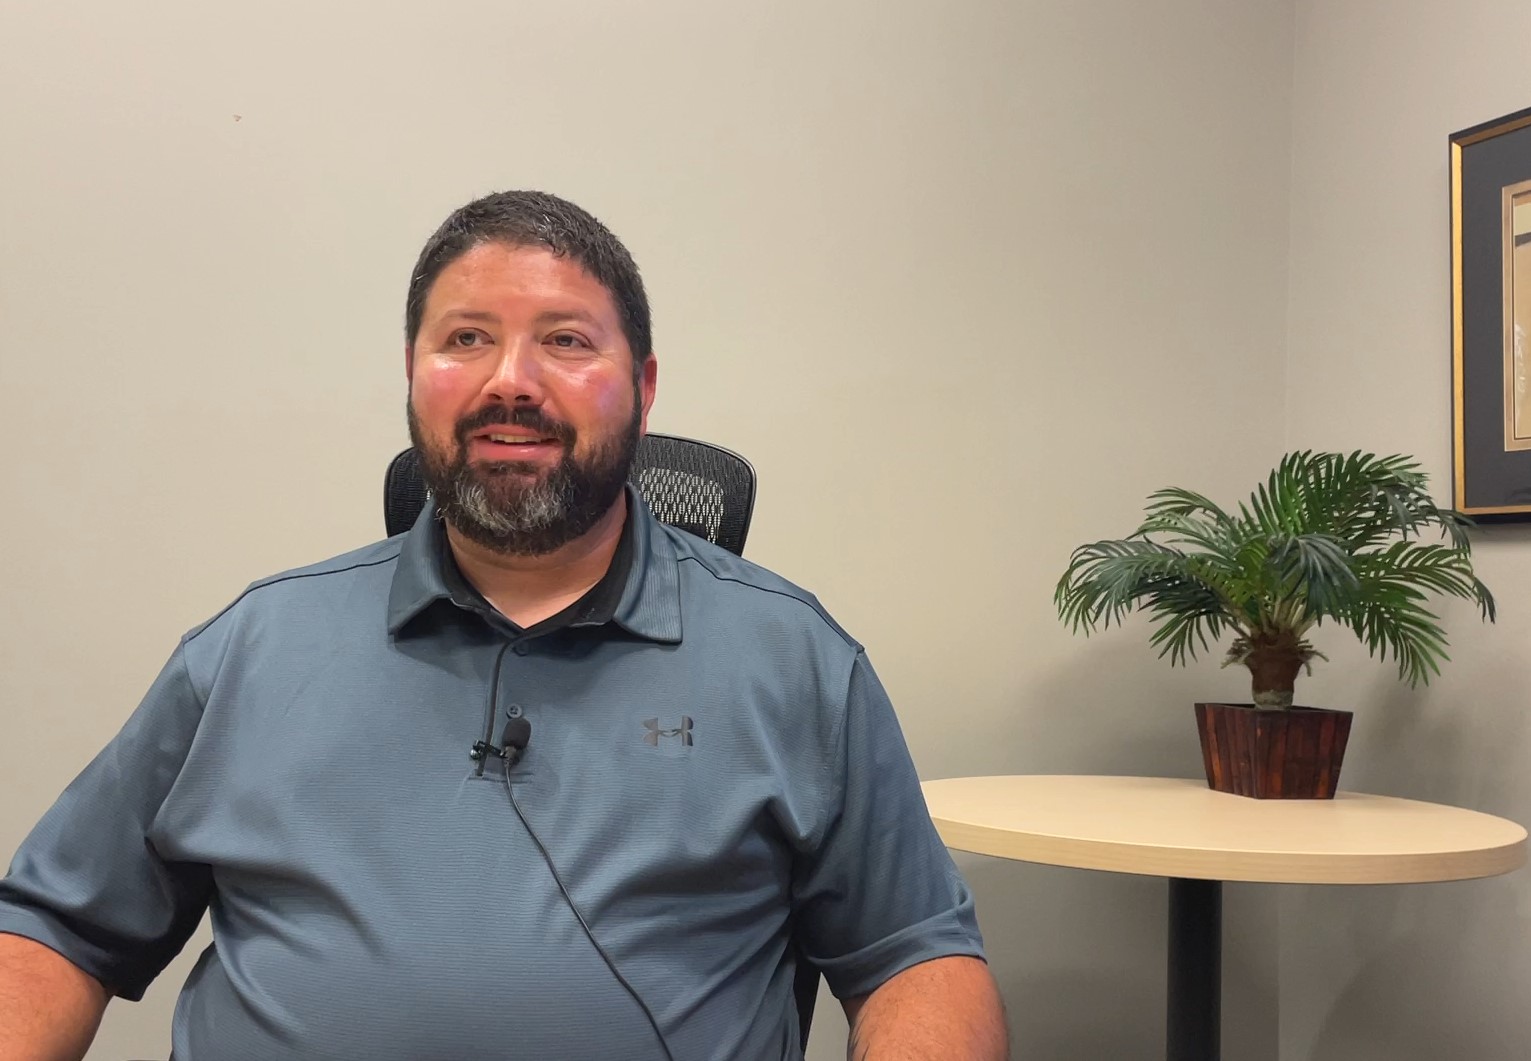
(523, 416)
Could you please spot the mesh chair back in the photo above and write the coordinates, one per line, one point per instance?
(696, 486)
(404, 492)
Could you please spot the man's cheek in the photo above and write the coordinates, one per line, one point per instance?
(436, 394)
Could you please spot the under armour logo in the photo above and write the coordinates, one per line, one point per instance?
(655, 731)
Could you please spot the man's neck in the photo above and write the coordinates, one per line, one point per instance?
(529, 589)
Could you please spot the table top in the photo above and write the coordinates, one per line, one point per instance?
(1178, 827)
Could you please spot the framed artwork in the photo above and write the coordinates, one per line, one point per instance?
(1491, 319)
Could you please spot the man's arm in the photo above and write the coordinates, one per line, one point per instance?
(946, 1009)
(49, 1007)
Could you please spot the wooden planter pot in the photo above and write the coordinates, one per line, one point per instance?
(1291, 754)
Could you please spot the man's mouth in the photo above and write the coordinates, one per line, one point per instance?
(519, 440)
(513, 445)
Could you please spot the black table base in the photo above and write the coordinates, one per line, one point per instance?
(1195, 996)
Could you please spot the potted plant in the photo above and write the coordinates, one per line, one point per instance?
(1328, 537)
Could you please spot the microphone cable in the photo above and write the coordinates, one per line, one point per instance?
(580, 917)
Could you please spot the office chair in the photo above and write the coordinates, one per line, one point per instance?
(698, 487)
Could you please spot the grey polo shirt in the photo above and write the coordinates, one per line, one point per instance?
(713, 767)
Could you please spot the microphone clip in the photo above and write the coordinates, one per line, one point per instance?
(482, 748)
(518, 732)
(511, 755)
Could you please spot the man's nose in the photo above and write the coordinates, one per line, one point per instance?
(517, 376)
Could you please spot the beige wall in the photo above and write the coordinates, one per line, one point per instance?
(1405, 974)
(965, 281)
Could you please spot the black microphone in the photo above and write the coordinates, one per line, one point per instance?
(517, 735)
(513, 741)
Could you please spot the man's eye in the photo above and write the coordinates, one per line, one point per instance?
(567, 341)
(466, 339)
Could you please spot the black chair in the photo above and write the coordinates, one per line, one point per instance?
(698, 487)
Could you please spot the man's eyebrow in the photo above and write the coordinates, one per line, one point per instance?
(549, 316)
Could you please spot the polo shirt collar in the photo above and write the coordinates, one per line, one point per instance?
(649, 606)
(650, 603)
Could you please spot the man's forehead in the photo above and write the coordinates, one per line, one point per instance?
(514, 265)
(494, 273)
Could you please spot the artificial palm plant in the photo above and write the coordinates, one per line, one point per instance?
(1327, 538)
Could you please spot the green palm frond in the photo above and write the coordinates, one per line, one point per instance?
(1396, 624)
(1388, 614)
(1184, 529)
(1434, 567)
(1175, 501)
(1105, 580)
(1187, 614)
(1314, 572)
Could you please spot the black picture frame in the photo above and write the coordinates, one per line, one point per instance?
(1491, 439)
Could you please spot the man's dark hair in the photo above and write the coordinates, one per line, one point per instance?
(537, 219)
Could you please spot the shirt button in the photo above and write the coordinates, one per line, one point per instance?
(514, 711)
(521, 648)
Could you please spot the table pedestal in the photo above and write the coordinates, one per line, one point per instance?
(1194, 1008)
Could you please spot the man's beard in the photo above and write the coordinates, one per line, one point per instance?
(516, 507)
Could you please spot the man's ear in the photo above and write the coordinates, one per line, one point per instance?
(409, 362)
(647, 383)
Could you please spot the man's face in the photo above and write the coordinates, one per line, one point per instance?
(523, 403)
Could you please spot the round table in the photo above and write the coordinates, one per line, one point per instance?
(1180, 829)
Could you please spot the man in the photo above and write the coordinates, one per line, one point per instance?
(569, 888)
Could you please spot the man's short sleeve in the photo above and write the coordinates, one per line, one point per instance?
(880, 894)
(87, 882)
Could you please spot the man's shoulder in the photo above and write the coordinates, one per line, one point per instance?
(357, 562)
(312, 585)
(754, 590)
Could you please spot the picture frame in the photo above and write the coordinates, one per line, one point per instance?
(1491, 319)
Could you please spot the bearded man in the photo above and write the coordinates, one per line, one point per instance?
(298, 769)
